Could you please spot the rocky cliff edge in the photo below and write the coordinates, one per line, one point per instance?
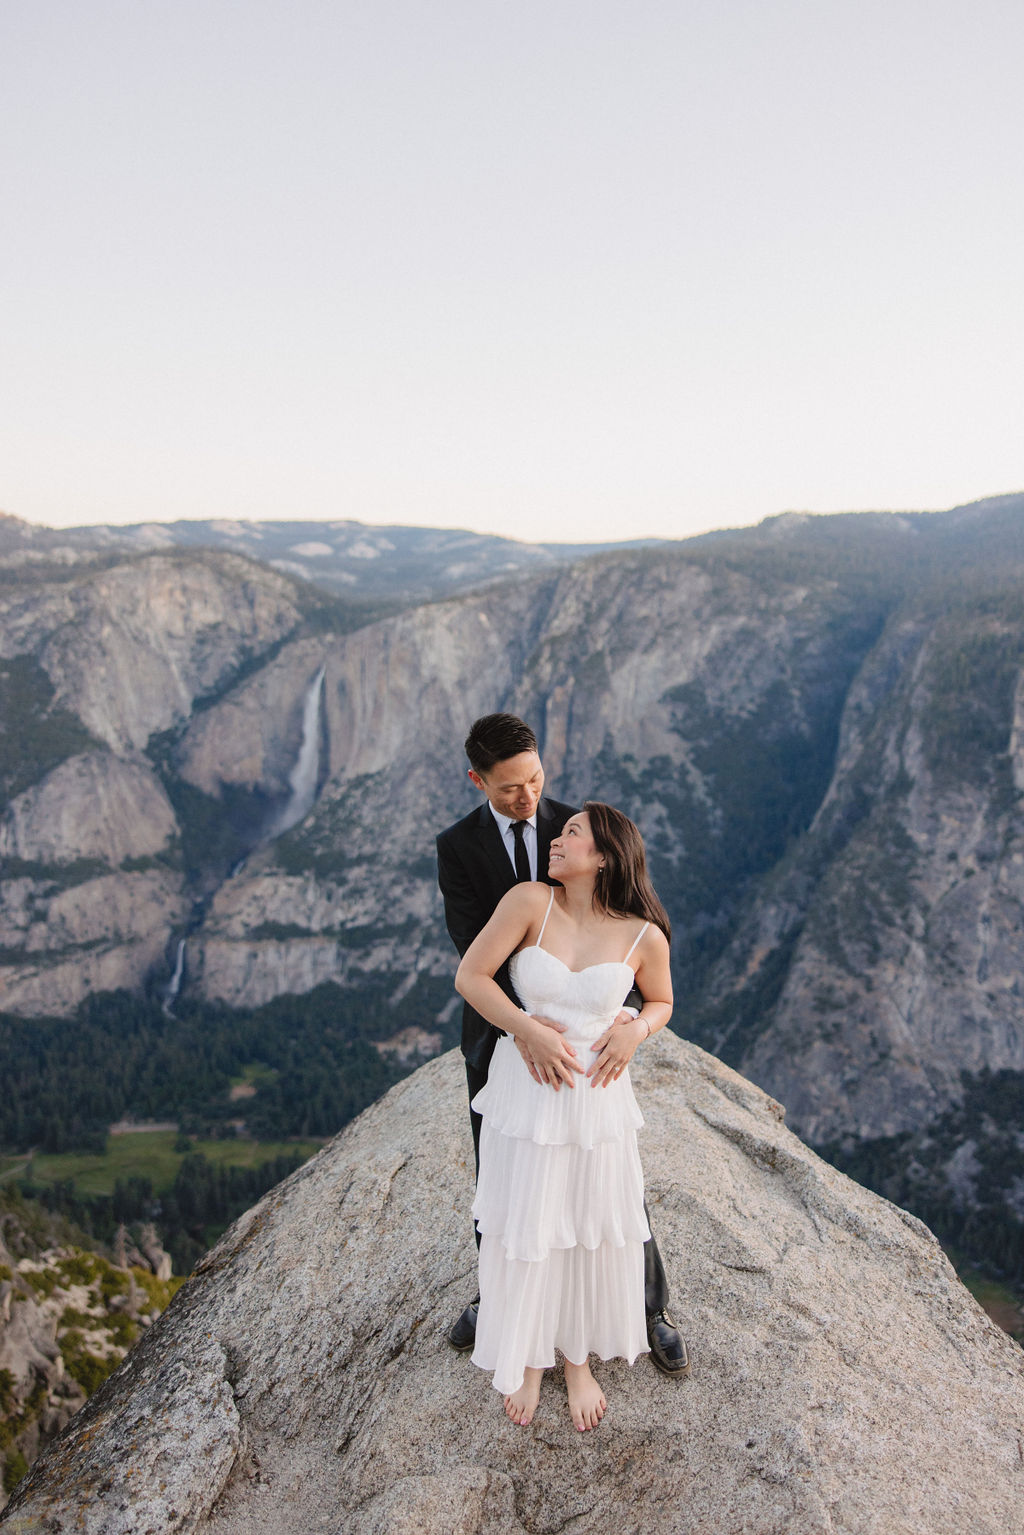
(844, 1382)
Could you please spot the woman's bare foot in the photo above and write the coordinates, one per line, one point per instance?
(587, 1401)
(522, 1405)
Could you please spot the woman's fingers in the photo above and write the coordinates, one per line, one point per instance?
(605, 1070)
(555, 1060)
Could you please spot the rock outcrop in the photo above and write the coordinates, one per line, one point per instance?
(64, 941)
(844, 1382)
(67, 1316)
(73, 917)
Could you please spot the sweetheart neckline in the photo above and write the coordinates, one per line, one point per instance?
(620, 964)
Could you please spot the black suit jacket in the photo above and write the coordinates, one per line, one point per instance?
(474, 872)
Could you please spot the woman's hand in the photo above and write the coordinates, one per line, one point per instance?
(521, 1046)
(615, 1051)
(548, 1058)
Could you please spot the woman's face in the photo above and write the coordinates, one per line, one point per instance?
(574, 852)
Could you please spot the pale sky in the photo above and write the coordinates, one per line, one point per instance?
(572, 270)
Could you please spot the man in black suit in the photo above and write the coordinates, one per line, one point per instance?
(506, 839)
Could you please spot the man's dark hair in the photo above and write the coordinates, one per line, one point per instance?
(496, 737)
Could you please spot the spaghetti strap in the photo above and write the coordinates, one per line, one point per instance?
(551, 900)
(636, 940)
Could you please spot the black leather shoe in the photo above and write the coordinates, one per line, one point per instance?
(668, 1351)
(462, 1336)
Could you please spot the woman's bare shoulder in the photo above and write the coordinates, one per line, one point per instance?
(653, 944)
(528, 896)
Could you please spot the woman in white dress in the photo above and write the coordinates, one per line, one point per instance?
(559, 1202)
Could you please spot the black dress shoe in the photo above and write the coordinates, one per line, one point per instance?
(668, 1351)
(462, 1335)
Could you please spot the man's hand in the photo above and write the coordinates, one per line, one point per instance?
(548, 1059)
(615, 1049)
(527, 1059)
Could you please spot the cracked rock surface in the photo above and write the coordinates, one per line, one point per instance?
(844, 1382)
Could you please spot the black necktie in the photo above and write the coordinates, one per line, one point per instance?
(522, 856)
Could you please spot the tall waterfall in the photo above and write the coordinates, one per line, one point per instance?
(303, 777)
(174, 984)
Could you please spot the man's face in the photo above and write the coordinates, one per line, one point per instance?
(513, 786)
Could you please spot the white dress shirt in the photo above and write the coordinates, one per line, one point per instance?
(508, 836)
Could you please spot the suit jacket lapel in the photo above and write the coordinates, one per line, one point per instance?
(495, 853)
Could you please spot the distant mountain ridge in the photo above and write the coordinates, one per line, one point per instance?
(389, 562)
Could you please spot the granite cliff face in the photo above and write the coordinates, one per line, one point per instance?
(844, 1382)
(895, 932)
(351, 893)
(633, 665)
(818, 725)
(131, 648)
(96, 666)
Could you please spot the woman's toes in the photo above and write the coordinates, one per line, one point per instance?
(518, 1412)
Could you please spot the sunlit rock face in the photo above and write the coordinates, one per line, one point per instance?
(141, 642)
(843, 1379)
(96, 806)
(249, 739)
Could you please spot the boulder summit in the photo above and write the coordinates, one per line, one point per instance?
(844, 1381)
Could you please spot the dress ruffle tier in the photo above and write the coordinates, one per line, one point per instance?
(575, 1300)
(513, 1104)
(535, 1197)
(559, 1201)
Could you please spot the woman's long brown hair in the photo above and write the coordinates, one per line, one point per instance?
(623, 886)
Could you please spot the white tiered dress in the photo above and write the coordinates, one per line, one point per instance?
(560, 1198)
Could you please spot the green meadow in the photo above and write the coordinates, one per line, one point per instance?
(145, 1154)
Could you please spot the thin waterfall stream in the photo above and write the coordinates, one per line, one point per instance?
(302, 784)
(174, 984)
